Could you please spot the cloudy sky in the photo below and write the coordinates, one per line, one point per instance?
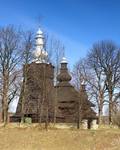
(77, 23)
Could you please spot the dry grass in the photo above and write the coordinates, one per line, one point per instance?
(33, 138)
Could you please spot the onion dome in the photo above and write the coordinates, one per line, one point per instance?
(40, 53)
(64, 75)
(39, 34)
(64, 60)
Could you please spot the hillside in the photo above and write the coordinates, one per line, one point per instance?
(34, 138)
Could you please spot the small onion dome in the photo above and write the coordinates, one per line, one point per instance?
(39, 34)
(64, 76)
(64, 60)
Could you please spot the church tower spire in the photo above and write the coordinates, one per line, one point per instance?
(40, 53)
(64, 75)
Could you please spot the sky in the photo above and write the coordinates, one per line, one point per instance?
(77, 23)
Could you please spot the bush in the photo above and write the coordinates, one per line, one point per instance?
(28, 120)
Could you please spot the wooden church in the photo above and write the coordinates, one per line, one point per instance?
(40, 100)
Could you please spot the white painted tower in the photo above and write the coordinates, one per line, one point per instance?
(40, 53)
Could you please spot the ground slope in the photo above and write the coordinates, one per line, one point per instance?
(33, 138)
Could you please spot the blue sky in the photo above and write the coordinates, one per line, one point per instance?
(77, 23)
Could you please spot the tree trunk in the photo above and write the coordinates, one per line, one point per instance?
(2, 119)
(110, 107)
(78, 122)
(100, 116)
(24, 93)
(40, 111)
(100, 109)
(110, 113)
(5, 113)
(46, 122)
(55, 106)
(22, 104)
(79, 117)
(5, 97)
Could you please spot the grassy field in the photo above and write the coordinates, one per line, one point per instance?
(34, 138)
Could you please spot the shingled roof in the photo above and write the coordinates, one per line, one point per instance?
(68, 98)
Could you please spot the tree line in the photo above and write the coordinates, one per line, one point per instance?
(16, 51)
(99, 70)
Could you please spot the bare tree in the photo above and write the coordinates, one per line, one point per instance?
(87, 72)
(116, 116)
(56, 51)
(97, 84)
(26, 57)
(79, 73)
(9, 58)
(106, 56)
